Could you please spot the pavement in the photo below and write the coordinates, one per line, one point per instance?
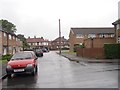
(73, 57)
(3, 71)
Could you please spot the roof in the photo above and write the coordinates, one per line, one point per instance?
(62, 39)
(116, 22)
(33, 40)
(92, 30)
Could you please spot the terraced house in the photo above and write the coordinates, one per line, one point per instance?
(37, 42)
(9, 43)
(94, 37)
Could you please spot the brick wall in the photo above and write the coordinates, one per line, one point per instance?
(90, 52)
(97, 42)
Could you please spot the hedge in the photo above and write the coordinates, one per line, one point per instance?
(112, 51)
(6, 57)
(78, 46)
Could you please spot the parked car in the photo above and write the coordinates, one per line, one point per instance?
(47, 49)
(44, 50)
(38, 52)
(22, 62)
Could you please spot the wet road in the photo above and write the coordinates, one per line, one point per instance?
(55, 71)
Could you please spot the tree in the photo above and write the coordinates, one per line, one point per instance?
(8, 26)
(23, 39)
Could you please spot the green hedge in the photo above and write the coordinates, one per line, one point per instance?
(6, 57)
(78, 46)
(112, 51)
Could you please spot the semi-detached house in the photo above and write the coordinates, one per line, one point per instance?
(93, 37)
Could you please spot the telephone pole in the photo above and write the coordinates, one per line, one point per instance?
(59, 38)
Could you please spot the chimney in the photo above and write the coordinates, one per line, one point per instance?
(29, 37)
(34, 36)
(41, 37)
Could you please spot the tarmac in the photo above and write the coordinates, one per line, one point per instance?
(71, 57)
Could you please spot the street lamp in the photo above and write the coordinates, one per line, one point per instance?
(59, 38)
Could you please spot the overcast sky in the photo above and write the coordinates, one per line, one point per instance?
(40, 17)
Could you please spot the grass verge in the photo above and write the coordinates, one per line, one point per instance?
(3, 61)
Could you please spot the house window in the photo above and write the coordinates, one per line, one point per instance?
(10, 37)
(35, 43)
(5, 35)
(13, 37)
(91, 35)
(112, 35)
(103, 35)
(79, 36)
(106, 35)
(10, 47)
(40, 43)
(16, 39)
(46, 43)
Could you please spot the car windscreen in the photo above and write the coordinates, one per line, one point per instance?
(21, 56)
(38, 50)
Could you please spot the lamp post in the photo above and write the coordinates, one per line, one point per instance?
(59, 38)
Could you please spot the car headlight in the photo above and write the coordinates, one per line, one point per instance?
(29, 65)
(8, 66)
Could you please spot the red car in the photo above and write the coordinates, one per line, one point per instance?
(22, 62)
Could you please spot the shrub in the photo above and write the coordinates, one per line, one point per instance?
(112, 51)
(78, 46)
(6, 57)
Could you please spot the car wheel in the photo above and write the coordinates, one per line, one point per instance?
(9, 75)
(33, 73)
(36, 69)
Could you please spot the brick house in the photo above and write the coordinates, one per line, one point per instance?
(37, 42)
(55, 43)
(91, 37)
(9, 43)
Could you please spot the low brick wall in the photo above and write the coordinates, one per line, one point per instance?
(90, 52)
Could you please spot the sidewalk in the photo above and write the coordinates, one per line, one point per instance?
(3, 70)
(73, 57)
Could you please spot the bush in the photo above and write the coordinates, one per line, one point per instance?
(112, 51)
(6, 57)
(78, 46)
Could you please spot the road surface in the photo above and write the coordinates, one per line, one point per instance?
(55, 71)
